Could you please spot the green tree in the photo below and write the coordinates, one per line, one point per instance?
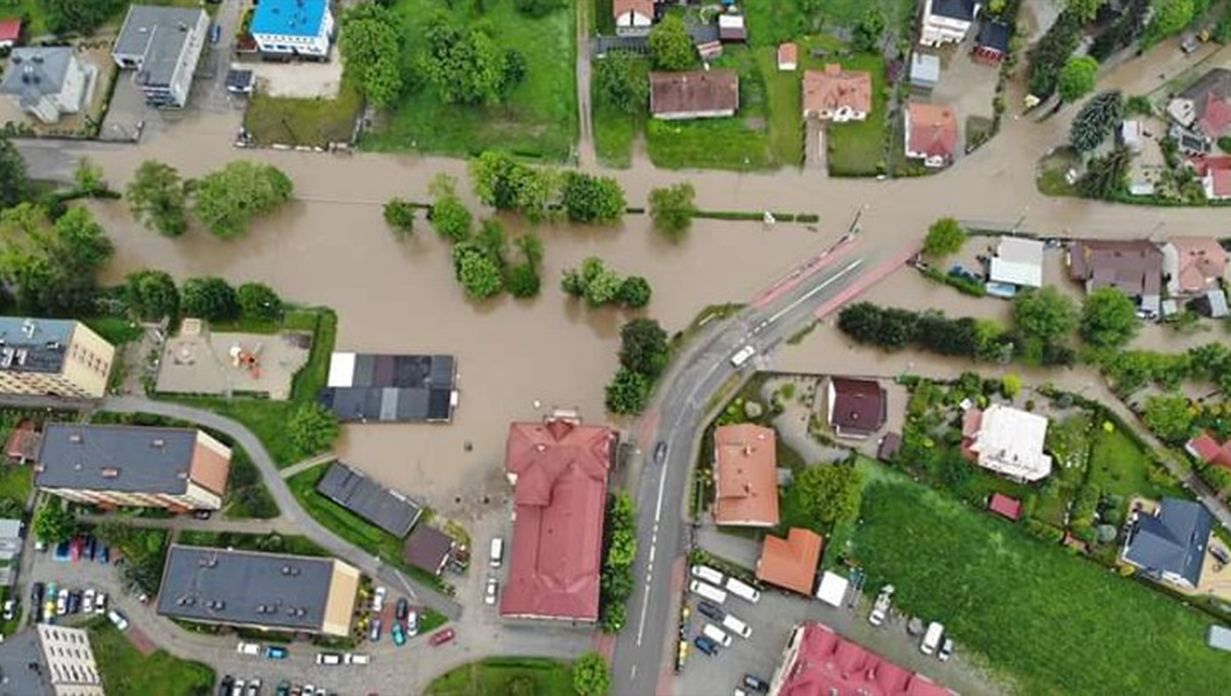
(400, 216)
(479, 274)
(88, 177)
(152, 295)
(1050, 53)
(51, 269)
(493, 241)
(369, 43)
(312, 428)
(1084, 10)
(612, 618)
(465, 66)
(227, 200)
(1096, 119)
(1108, 318)
(1170, 417)
(592, 199)
(451, 218)
(157, 197)
(868, 30)
(531, 248)
(827, 493)
(537, 8)
(1010, 385)
(209, 298)
(523, 281)
(1044, 314)
(54, 524)
(635, 292)
(628, 392)
(14, 183)
(506, 184)
(1106, 176)
(591, 675)
(259, 301)
(671, 47)
(620, 80)
(643, 347)
(1169, 17)
(1077, 78)
(945, 237)
(672, 208)
(79, 16)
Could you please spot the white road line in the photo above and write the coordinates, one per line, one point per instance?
(828, 281)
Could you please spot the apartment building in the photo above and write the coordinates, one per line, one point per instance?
(49, 661)
(53, 357)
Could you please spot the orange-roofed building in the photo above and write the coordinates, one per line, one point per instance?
(1193, 265)
(788, 57)
(745, 476)
(791, 563)
(837, 95)
(931, 134)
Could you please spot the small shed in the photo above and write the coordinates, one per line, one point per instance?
(924, 70)
(992, 42)
(833, 589)
(1007, 507)
(1219, 638)
(788, 57)
(10, 32)
(428, 548)
(731, 28)
(889, 446)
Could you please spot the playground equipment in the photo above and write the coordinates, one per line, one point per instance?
(249, 360)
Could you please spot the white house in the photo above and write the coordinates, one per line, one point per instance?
(289, 28)
(1007, 441)
(633, 17)
(1018, 261)
(164, 45)
(947, 21)
(47, 82)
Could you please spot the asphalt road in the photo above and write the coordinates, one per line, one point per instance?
(678, 417)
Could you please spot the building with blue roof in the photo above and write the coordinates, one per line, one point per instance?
(286, 28)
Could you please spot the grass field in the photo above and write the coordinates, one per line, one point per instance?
(316, 122)
(1118, 466)
(614, 133)
(247, 497)
(538, 120)
(16, 482)
(116, 330)
(771, 22)
(126, 671)
(506, 676)
(294, 544)
(858, 148)
(1053, 623)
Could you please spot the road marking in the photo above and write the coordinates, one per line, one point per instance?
(828, 281)
(633, 674)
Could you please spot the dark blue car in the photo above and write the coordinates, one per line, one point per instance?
(705, 645)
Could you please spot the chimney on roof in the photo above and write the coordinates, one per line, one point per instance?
(74, 438)
(110, 472)
(158, 443)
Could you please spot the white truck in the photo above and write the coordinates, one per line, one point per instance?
(717, 635)
(931, 638)
(743, 590)
(708, 574)
(741, 356)
(707, 591)
(736, 626)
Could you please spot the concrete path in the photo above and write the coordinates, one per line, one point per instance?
(291, 510)
(586, 157)
(298, 467)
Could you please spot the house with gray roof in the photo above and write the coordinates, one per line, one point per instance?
(47, 82)
(384, 507)
(368, 387)
(49, 660)
(163, 45)
(1169, 545)
(270, 591)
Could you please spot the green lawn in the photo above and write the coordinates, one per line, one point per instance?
(115, 330)
(1118, 466)
(614, 133)
(316, 122)
(771, 22)
(126, 671)
(1053, 623)
(16, 482)
(539, 118)
(506, 676)
(247, 497)
(273, 543)
(858, 148)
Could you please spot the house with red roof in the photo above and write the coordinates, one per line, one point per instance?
(1215, 174)
(745, 476)
(819, 662)
(559, 470)
(1006, 506)
(931, 134)
(791, 562)
(10, 32)
(1205, 106)
(1193, 265)
(1207, 449)
(633, 17)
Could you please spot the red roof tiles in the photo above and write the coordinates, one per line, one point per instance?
(933, 130)
(746, 472)
(560, 470)
(819, 662)
(10, 29)
(791, 562)
(1208, 450)
(1005, 506)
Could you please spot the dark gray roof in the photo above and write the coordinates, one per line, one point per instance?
(35, 72)
(1216, 82)
(395, 388)
(239, 80)
(245, 587)
(22, 672)
(384, 507)
(955, 9)
(157, 35)
(1172, 541)
(995, 35)
(115, 458)
(428, 548)
(34, 345)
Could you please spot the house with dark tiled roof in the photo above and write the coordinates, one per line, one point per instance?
(947, 21)
(855, 408)
(1169, 545)
(694, 94)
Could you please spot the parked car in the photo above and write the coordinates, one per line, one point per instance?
(707, 591)
(10, 609)
(118, 619)
(374, 633)
(100, 603)
(87, 601)
(275, 652)
(74, 548)
(36, 593)
(751, 681)
(357, 658)
(74, 601)
(880, 608)
(398, 633)
(202, 514)
(61, 552)
(237, 689)
(62, 602)
(284, 688)
(412, 623)
(224, 686)
(493, 586)
(244, 648)
(717, 635)
(402, 608)
(705, 645)
(104, 555)
(736, 625)
(378, 599)
(931, 638)
(254, 687)
(711, 611)
(946, 650)
(328, 658)
(708, 574)
(441, 637)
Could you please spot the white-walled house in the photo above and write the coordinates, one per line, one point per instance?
(164, 45)
(287, 28)
(947, 21)
(633, 17)
(47, 82)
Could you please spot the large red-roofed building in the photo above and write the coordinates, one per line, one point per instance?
(819, 662)
(559, 471)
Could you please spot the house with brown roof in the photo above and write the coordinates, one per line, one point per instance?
(745, 476)
(855, 408)
(791, 563)
(633, 17)
(1193, 265)
(428, 548)
(694, 94)
(1134, 267)
(837, 95)
(788, 57)
(931, 133)
(558, 469)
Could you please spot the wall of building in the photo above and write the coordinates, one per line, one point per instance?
(285, 44)
(71, 668)
(88, 362)
(68, 101)
(340, 606)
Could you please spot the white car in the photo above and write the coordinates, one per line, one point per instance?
(357, 658)
(378, 599)
(237, 689)
(493, 586)
(326, 658)
(880, 609)
(87, 601)
(118, 619)
(100, 603)
(931, 639)
(10, 609)
(946, 650)
(253, 649)
(62, 602)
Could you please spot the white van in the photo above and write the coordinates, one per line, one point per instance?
(708, 574)
(742, 355)
(717, 635)
(496, 556)
(736, 626)
(707, 591)
(743, 590)
(931, 638)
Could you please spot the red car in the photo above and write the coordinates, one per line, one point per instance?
(441, 637)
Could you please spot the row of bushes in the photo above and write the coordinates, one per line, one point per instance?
(617, 581)
(963, 284)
